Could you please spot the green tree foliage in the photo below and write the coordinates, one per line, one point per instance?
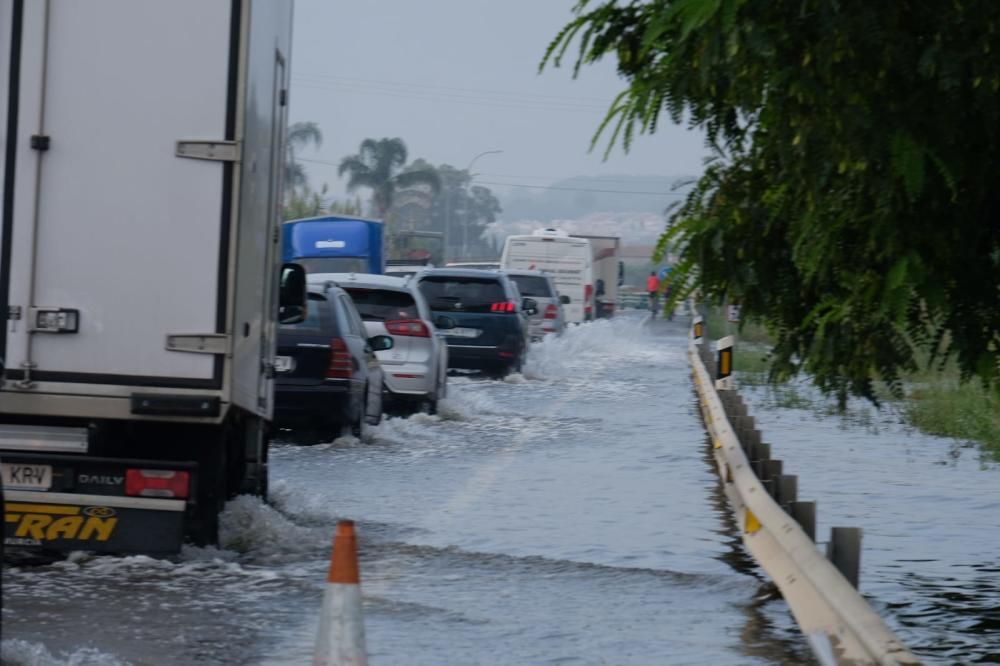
(460, 211)
(300, 135)
(851, 204)
(348, 207)
(304, 202)
(379, 166)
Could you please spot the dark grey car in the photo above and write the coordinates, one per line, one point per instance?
(329, 380)
(491, 326)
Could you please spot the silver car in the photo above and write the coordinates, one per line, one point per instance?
(549, 318)
(416, 368)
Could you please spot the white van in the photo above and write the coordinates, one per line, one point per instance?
(568, 260)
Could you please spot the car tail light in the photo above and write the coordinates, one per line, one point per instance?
(551, 311)
(588, 293)
(157, 483)
(506, 306)
(412, 327)
(341, 365)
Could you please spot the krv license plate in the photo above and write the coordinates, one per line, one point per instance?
(20, 476)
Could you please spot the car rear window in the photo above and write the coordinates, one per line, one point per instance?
(462, 294)
(316, 316)
(383, 304)
(532, 286)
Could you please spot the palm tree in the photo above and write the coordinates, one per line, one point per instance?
(300, 135)
(379, 166)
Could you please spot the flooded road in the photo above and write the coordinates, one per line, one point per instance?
(567, 516)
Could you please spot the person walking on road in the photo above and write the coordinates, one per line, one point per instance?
(653, 287)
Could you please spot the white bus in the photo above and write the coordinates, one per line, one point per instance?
(568, 260)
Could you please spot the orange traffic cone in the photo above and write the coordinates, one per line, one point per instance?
(341, 638)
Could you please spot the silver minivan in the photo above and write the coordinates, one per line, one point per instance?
(549, 318)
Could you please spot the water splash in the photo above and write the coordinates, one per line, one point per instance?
(17, 652)
(623, 338)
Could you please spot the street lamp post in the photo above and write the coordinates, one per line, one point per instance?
(447, 209)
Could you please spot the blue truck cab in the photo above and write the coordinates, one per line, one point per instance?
(334, 244)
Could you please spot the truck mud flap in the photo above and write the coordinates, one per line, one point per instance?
(66, 522)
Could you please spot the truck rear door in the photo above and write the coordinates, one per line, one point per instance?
(101, 215)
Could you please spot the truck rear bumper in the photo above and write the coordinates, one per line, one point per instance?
(68, 521)
(85, 505)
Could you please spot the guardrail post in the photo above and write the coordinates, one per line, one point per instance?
(741, 426)
(771, 470)
(708, 360)
(725, 398)
(844, 550)
(724, 367)
(787, 490)
(739, 407)
(804, 514)
(762, 453)
(698, 329)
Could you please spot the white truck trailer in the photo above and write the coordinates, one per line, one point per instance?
(609, 272)
(139, 256)
(566, 259)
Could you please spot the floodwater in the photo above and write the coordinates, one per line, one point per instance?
(567, 516)
(928, 508)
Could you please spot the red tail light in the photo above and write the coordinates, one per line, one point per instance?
(341, 364)
(551, 311)
(588, 293)
(414, 328)
(157, 483)
(506, 306)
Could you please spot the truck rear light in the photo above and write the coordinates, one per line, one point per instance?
(341, 364)
(414, 328)
(588, 294)
(551, 311)
(505, 354)
(506, 306)
(157, 483)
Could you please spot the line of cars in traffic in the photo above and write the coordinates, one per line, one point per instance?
(374, 344)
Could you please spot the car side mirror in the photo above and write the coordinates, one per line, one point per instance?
(564, 299)
(293, 297)
(444, 322)
(381, 342)
(529, 306)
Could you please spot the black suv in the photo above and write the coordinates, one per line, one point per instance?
(328, 379)
(491, 318)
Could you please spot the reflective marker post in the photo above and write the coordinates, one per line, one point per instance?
(699, 329)
(723, 379)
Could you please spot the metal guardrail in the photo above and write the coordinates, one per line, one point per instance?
(839, 624)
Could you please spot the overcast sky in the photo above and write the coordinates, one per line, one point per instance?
(455, 78)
